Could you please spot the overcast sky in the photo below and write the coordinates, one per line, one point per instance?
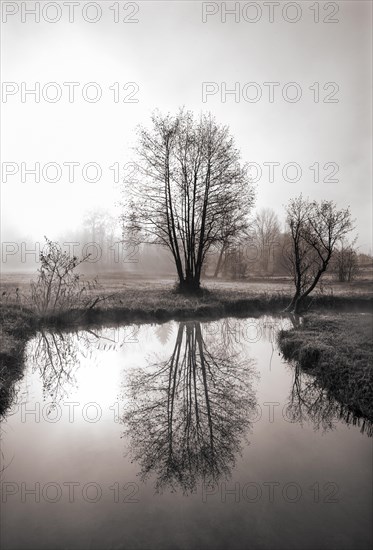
(169, 53)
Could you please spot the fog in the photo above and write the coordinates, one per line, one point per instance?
(168, 55)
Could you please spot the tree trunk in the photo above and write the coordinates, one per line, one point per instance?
(218, 265)
(290, 307)
(189, 285)
(297, 305)
(294, 306)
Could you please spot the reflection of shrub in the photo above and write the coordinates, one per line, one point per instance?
(58, 286)
(16, 326)
(338, 351)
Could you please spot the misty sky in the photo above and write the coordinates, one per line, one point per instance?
(169, 53)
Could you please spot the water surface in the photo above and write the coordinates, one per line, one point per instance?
(180, 435)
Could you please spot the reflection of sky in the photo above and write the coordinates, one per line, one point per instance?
(105, 355)
(109, 352)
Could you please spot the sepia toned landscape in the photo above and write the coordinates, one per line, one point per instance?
(186, 283)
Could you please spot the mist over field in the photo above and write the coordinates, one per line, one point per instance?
(319, 144)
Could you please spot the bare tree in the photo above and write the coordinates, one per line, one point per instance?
(345, 262)
(103, 229)
(233, 231)
(236, 264)
(266, 236)
(95, 223)
(191, 192)
(315, 229)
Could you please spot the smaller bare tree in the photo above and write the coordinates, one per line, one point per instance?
(235, 264)
(315, 229)
(266, 237)
(345, 262)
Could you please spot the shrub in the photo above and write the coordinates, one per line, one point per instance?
(58, 286)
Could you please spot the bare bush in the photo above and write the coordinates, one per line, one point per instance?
(58, 286)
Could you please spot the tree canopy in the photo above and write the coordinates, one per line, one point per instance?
(314, 230)
(191, 191)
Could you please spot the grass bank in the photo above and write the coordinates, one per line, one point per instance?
(15, 329)
(338, 350)
(149, 303)
(164, 304)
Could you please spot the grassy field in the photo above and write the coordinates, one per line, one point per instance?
(118, 283)
(141, 298)
(338, 350)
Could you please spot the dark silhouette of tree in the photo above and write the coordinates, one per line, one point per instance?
(186, 417)
(191, 191)
(315, 228)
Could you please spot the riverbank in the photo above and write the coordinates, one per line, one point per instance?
(149, 304)
(337, 349)
(16, 328)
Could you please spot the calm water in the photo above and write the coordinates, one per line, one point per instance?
(181, 435)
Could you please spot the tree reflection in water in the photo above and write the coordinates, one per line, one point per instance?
(57, 355)
(186, 418)
(310, 402)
